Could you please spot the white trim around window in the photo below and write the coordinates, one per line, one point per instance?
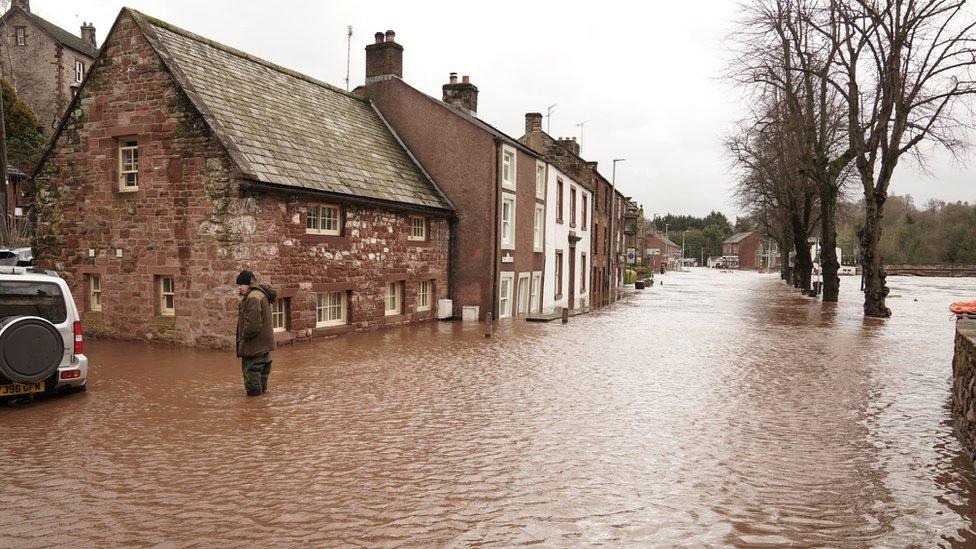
(425, 290)
(524, 294)
(506, 282)
(507, 225)
(417, 228)
(331, 309)
(167, 295)
(538, 228)
(324, 219)
(393, 298)
(79, 71)
(509, 167)
(540, 180)
(535, 299)
(279, 314)
(94, 293)
(128, 164)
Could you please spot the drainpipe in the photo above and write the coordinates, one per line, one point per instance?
(611, 276)
(495, 269)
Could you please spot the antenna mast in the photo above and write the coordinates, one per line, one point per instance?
(549, 114)
(348, 52)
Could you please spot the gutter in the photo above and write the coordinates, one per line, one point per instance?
(258, 186)
(496, 237)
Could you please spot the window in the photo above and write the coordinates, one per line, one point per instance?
(424, 291)
(330, 309)
(508, 168)
(559, 201)
(582, 273)
(323, 219)
(279, 314)
(128, 164)
(394, 298)
(586, 206)
(43, 299)
(94, 293)
(505, 294)
(540, 181)
(167, 296)
(418, 228)
(572, 207)
(537, 227)
(559, 273)
(21, 35)
(79, 71)
(535, 298)
(508, 222)
(524, 281)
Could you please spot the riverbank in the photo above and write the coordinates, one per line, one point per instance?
(964, 383)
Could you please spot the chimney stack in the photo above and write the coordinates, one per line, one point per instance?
(88, 34)
(22, 4)
(384, 58)
(570, 144)
(463, 96)
(533, 122)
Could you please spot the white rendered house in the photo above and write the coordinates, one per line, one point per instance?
(568, 224)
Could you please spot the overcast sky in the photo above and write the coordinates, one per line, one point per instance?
(644, 77)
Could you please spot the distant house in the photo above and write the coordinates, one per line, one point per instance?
(44, 62)
(752, 251)
(660, 251)
(183, 161)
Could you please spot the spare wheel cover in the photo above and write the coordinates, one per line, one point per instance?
(31, 349)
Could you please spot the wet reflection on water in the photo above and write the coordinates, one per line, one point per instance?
(717, 409)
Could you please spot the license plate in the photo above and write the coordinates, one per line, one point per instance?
(15, 389)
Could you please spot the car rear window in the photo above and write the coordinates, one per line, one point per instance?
(42, 299)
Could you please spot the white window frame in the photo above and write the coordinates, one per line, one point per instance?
(315, 219)
(95, 293)
(424, 290)
(164, 308)
(509, 167)
(279, 311)
(524, 281)
(538, 228)
(535, 294)
(558, 268)
(20, 36)
(584, 210)
(507, 226)
(583, 267)
(417, 225)
(540, 180)
(128, 166)
(394, 299)
(79, 71)
(323, 310)
(506, 280)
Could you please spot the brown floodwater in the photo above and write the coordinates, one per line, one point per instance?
(717, 409)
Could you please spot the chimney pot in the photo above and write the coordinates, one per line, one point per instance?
(463, 95)
(88, 34)
(453, 78)
(379, 37)
(390, 35)
(465, 79)
(383, 58)
(533, 122)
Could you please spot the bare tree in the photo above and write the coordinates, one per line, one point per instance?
(904, 69)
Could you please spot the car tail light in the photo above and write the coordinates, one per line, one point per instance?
(70, 374)
(79, 344)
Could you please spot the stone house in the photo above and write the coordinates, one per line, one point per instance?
(492, 179)
(183, 161)
(45, 63)
(605, 259)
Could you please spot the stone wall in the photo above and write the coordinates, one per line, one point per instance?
(964, 383)
(193, 219)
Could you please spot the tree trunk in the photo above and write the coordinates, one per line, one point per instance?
(804, 263)
(828, 244)
(784, 259)
(875, 289)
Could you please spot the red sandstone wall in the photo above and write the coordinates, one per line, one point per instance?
(190, 221)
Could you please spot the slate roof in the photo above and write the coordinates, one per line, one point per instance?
(56, 33)
(738, 237)
(284, 128)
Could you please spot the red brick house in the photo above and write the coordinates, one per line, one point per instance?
(492, 180)
(181, 161)
(564, 153)
(745, 247)
(660, 250)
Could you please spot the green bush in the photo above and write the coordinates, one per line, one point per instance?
(630, 276)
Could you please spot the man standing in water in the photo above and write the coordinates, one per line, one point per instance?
(255, 333)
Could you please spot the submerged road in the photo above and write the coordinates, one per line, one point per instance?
(719, 409)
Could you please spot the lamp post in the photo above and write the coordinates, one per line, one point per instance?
(613, 236)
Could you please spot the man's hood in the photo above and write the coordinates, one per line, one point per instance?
(267, 291)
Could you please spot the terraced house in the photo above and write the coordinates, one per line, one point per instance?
(182, 160)
(499, 251)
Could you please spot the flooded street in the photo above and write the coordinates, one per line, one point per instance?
(715, 409)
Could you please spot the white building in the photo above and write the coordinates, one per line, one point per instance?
(568, 224)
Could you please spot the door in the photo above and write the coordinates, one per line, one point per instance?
(571, 299)
(523, 294)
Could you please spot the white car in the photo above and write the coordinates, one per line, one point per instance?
(40, 335)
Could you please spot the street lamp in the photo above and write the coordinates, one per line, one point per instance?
(613, 203)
